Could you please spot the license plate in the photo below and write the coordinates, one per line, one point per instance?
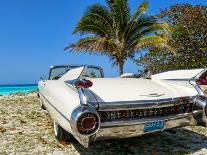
(151, 126)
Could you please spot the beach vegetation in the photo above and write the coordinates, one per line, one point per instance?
(189, 40)
(112, 30)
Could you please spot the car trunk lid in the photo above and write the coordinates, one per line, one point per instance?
(115, 92)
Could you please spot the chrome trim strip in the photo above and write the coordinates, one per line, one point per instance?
(142, 104)
(186, 79)
(55, 108)
(198, 89)
(201, 102)
(201, 73)
(83, 98)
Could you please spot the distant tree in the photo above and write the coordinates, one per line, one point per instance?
(93, 75)
(189, 40)
(111, 30)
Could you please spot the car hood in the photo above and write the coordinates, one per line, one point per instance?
(126, 91)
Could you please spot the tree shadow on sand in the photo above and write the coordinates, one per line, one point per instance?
(175, 141)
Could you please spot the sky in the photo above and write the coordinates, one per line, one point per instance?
(33, 34)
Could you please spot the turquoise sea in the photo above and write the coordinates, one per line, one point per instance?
(11, 89)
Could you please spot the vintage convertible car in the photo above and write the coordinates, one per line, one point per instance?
(89, 107)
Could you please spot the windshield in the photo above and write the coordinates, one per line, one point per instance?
(57, 72)
(93, 72)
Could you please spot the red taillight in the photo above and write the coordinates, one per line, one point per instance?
(136, 113)
(202, 81)
(83, 84)
(88, 84)
(104, 115)
(87, 123)
(123, 114)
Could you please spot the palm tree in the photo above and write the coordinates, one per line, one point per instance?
(111, 30)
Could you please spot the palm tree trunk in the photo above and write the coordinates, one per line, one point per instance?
(121, 68)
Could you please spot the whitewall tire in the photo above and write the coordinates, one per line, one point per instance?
(60, 133)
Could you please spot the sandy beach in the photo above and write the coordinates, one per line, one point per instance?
(26, 129)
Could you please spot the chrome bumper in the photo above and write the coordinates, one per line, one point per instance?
(133, 128)
(136, 128)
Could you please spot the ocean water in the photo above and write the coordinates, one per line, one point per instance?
(11, 89)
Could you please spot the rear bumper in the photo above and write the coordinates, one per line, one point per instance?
(133, 128)
(136, 128)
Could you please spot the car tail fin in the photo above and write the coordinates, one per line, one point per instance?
(178, 74)
(72, 74)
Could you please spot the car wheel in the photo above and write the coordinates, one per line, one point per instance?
(42, 105)
(60, 133)
(201, 120)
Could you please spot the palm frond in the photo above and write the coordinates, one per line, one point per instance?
(111, 30)
(142, 8)
(102, 13)
(95, 45)
(153, 41)
(95, 21)
(141, 23)
(148, 41)
(157, 28)
(120, 14)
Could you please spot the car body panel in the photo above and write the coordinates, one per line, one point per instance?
(60, 100)
(63, 100)
(132, 89)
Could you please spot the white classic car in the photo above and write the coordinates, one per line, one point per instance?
(89, 107)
